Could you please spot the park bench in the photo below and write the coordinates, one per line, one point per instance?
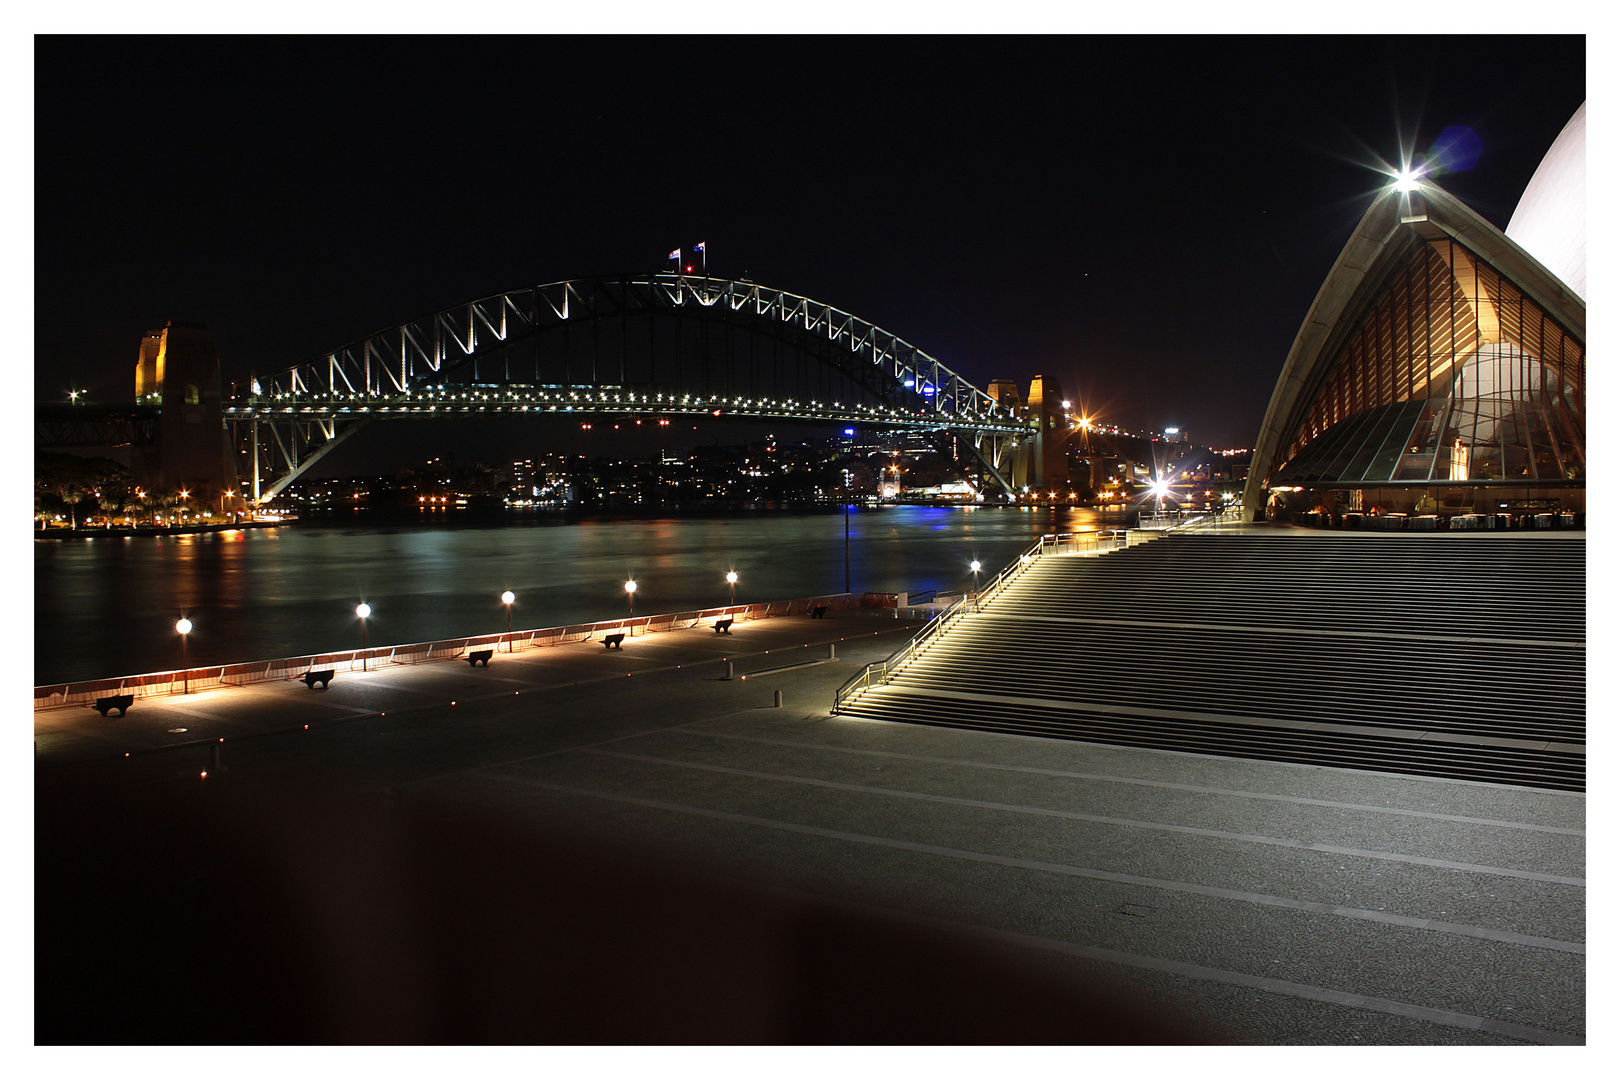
(723, 626)
(322, 677)
(820, 612)
(121, 702)
(480, 657)
(613, 641)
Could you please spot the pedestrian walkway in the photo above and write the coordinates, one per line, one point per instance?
(580, 845)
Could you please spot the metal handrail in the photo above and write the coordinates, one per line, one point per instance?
(863, 677)
(934, 627)
(891, 665)
(902, 654)
(1010, 571)
(1230, 513)
(887, 668)
(1074, 543)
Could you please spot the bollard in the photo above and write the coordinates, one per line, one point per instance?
(217, 767)
(727, 675)
(832, 650)
(779, 699)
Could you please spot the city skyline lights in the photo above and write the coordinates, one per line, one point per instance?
(1055, 289)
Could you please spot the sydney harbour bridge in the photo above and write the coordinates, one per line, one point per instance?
(653, 347)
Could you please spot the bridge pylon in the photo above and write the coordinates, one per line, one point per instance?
(177, 372)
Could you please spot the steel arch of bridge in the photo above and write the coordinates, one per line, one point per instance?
(440, 365)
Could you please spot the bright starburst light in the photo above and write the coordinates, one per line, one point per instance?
(1407, 179)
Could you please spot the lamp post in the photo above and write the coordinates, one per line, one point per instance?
(506, 598)
(183, 627)
(846, 542)
(364, 610)
(630, 591)
(975, 566)
(731, 579)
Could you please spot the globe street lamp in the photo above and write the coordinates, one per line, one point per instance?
(731, 579)
(630, 591)
(506, 598)
(975, 566)
(364, 610)
(183, 627)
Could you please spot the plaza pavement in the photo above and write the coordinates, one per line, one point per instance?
(581, 845)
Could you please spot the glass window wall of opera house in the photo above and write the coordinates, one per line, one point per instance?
(1439, 380)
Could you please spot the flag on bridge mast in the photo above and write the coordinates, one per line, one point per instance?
(676, 256)
(701, 250)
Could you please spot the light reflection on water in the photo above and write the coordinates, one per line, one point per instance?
(108, 607)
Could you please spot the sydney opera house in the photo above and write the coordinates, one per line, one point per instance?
(1439, 379)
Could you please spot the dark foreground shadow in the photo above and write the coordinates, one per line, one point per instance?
(223, 917)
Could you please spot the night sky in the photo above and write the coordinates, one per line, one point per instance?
(1146, 218)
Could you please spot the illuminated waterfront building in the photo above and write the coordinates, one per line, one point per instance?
(1442, 368)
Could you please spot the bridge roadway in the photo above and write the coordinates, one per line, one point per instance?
(579, 845)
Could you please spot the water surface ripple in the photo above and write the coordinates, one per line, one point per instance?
(106, 607)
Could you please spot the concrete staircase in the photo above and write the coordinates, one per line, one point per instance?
(1436, 654)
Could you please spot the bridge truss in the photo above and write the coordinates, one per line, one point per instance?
(660, 345)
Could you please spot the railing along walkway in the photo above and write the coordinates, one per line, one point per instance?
(294, 667)
(1181, 522)
(883, 671)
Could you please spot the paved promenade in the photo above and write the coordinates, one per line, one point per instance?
(585, 845)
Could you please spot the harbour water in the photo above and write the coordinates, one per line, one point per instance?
(106, 606)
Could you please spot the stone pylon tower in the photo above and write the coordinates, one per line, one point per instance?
(1041, 460)
(1050, 453)
(178, 369)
